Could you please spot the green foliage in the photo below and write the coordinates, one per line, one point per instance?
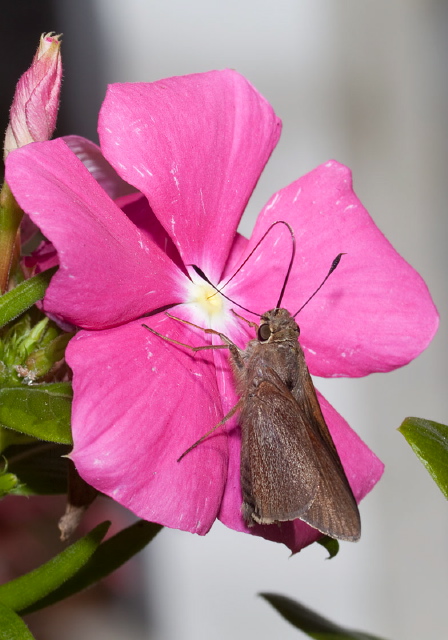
(29, 409)
(110, 555)
(30, 349)
(12, 626)
(311, 623)
(331, 545)
(18, 300)
(41, 411)
(9, 483)
(23, 592)
(42, 360)
(429, 440)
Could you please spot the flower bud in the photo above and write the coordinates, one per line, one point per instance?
(35, 105)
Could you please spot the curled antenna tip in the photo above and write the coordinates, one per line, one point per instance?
(335, 262)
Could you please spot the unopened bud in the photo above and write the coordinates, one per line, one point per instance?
(36, 101)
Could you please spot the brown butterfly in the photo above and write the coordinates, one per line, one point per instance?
(290, 468)
(289, 465)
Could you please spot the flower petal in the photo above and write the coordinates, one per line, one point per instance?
(140, 402)
(237, 252)
(195, 146)
(136, 207)
(375, 312)
(362, 467)
(90, 155)
(43, 258)
(110, 272)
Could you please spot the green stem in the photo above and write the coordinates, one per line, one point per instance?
(25, 591)
(10, 218)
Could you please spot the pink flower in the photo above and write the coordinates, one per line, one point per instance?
(194, 147)
(36, 100)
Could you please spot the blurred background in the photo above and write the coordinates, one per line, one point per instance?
(362, 82)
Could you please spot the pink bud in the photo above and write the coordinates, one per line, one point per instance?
(35, 105)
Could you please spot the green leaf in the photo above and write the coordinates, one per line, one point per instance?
(23, 592)
(41, 410)
(311, 623)
(12, 626)
(110, 555)
(41, 468)
(15, 302)
(331, 545)
(429, 440)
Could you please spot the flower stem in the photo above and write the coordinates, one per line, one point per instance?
(10, 218)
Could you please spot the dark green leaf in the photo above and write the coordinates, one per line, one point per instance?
(23, 592)
(40, 468)
(18, 300)
(331, 545)
(312, 623)
(12, 626)
(110, 555)
(42, 411)
(429, 440)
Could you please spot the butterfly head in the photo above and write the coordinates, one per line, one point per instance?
(277, 325)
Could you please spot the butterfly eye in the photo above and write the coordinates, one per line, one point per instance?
(264, 333)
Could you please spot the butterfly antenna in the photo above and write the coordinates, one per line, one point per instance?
(291, 261)
(256, 247)
(204, 277)
(334, 264)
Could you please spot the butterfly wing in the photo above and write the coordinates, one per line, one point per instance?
(289, 465)
(334, 510)
(279, 472)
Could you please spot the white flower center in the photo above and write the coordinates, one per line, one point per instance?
(207, 298)
(206, 306)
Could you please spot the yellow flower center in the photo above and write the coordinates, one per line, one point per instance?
(205, 306)
(208, 301)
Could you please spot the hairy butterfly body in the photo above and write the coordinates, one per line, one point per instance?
(289, 465)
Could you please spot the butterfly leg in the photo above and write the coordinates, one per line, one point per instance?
(234, 350)
(220, 423)
(183, 344)
(254, 325)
